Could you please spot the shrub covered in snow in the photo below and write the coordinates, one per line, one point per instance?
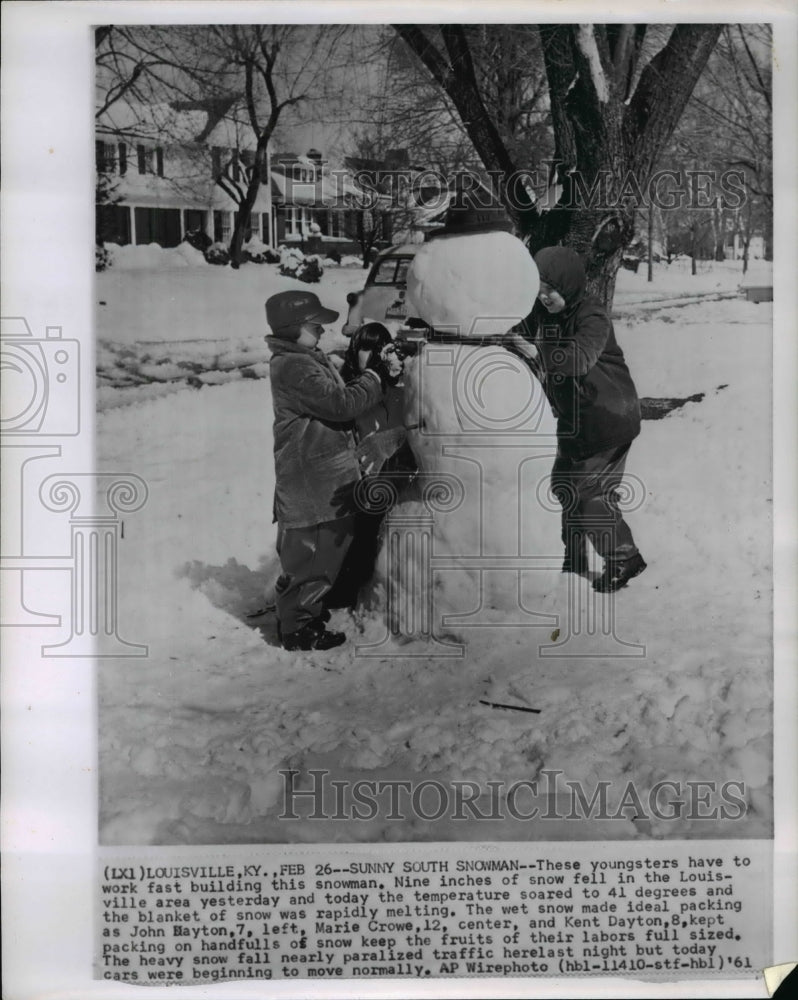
(260, 253)
(103, 258)
(198, 239)
(290, 259)
(187, 253)
(311, 270)
(294, 264)
(138, 256)
(217, 253)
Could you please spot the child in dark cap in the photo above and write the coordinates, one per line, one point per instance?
(316, 464)
(571, 342)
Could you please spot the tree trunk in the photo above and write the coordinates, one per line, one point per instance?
(650, 241)
(246, 206)
(603, 134)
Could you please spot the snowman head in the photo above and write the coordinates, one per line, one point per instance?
(473, 278)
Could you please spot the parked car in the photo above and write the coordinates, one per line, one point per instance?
(383, 297)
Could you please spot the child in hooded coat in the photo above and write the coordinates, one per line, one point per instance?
(588, 385)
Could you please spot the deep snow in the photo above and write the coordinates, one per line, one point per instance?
(192, 737)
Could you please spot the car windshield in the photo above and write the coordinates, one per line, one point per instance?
(391, 271)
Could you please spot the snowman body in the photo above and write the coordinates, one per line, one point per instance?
(483, 436)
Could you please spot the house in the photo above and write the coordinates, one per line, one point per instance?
(168, 169)
(322, 208)
(417, 195)
(165, 170)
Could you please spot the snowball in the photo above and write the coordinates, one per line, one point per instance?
(482, 283)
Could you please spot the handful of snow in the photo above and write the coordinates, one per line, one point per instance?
(483, 284)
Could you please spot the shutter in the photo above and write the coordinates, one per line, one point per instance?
(159, 160)
(122, 158)
(141, 152)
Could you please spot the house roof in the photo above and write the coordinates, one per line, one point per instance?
(182, 125)
(329, 189)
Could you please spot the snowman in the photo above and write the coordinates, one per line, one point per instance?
(462, 552)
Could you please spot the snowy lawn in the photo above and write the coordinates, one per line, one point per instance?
(192, 737)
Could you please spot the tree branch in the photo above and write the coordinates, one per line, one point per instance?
(427, 52)
(663, 90)
(591, 58)
(765, 91)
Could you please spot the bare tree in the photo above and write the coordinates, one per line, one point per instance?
(280, 66)
(143, 66)
(615, 96)
(247, 74)
(728, 124)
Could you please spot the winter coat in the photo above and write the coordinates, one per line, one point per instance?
(584, 375)
(388, 413)
(382, 436)
(314, 448)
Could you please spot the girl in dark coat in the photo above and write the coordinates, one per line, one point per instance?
(584, 375)
(382, 449)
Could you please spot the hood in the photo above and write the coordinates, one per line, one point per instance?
(562, 268)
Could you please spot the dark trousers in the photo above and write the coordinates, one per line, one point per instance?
(586, 489)
(311, 559)
(358, 566)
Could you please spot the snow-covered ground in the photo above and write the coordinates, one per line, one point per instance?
(192, 737)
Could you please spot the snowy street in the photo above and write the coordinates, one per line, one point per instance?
(193, 737)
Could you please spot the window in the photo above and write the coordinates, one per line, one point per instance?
(247, 160)
(253, 229)
(401, 270)
(193, 220)
(104, 157)
(337, 227)
(216, 161)
(150, 161)
(158, 225)
(331, 223)
(113, 224)
(221, 226)
(391, 271)
(297, 220)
